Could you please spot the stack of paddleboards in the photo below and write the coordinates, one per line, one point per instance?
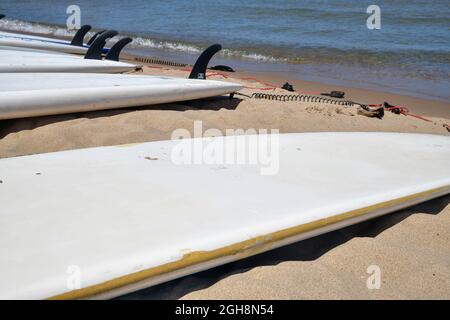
(44, 43)
(101, 222)
(22, 60)
(44, 76)
(24, 53)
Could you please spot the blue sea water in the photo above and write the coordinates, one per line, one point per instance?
(324, 41)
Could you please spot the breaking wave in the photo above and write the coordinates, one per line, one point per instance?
(34, 27)
(138, 41)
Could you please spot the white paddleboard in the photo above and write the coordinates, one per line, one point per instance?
(40, 43)
(15, 60)
(29, 95)
(101, 222)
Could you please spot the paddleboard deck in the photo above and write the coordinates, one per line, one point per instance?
(127, 217)
(29, 95)
(39, 42)
(19, 60)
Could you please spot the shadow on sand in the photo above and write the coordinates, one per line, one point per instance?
(306, 250)
(213, 104)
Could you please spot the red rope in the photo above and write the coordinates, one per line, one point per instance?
(402, 110)
(270, 86)
(212, 74)
(405, 111)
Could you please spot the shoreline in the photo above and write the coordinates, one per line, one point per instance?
(290, 72)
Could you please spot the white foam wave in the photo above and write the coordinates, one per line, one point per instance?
(251, 56)
(33, 27)
(138, 42)
(141, 42)
(165, 45)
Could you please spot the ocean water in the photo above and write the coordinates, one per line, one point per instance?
(325, 41)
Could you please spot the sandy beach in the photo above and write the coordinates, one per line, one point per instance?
(152, 123)
(411, 247)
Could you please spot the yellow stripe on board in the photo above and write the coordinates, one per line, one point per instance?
(261, 242)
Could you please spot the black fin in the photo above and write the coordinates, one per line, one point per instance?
(95, 50)
(79, 36)
(114, 51)
(91, 40)
(2, 16)
(199, 69)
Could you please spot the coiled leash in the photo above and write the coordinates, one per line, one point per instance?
(334, 97)
(159, 61)
(301, 98)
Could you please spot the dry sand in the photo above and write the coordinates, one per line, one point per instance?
(111, 127)
(412, 247)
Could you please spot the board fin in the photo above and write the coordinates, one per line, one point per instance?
(79, 36)
(95, 50)
(92, 39)
(114, 51)
(199, 69)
